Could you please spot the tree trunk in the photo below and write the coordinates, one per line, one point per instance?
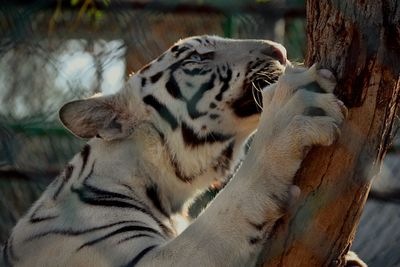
(360, 41)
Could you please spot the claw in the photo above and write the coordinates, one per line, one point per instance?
(294, 195)
(327, 74)
(343, 108)
(290, 69)
(313, 69)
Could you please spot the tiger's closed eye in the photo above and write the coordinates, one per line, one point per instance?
(195, 56)
(198, 57)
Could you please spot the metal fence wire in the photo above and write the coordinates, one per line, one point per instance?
(55, 51)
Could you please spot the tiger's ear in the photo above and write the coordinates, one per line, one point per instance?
(103, 116)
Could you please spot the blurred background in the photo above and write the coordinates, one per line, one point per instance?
(54, 51)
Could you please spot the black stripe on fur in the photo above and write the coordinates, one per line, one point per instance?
(122, 230)
(64, 179)
(162, 110)
(175, 164)
(192, 103)
(139, 256)
(254, 240)
(97, 197)
(179, 50)
(245, 105)
(133, 237)
(35, 218)
(85, 156)
(173, 88)
(6, 257)
(156, 77)
(223, 162)
(152, 193)
(225, 83)
(191, 139)
(257, 226)
(73, 232)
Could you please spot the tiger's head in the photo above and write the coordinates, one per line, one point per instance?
(206, 87)
(208, 82)
(201, 95)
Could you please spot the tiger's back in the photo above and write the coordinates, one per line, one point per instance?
(86, 217)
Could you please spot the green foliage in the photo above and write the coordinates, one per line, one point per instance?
(74, 2)
(295, 39)
(86, 9)
(94, 13)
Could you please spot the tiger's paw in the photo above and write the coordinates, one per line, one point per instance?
(352, 260)
(303, 112)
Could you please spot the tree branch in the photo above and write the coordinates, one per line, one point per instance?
(359, 41)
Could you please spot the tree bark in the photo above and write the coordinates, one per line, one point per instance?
(359, 40)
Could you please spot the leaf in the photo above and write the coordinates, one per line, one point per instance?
(91, 12)
(98, 14)
(74, 2)
(106, 2)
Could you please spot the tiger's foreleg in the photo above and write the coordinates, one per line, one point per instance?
(231, 230)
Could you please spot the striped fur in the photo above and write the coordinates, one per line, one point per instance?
(177, 127)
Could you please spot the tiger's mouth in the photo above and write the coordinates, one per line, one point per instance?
(250, 102)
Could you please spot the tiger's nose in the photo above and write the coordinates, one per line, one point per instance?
(276, 51)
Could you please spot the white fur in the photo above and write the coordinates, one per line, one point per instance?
(132, 157)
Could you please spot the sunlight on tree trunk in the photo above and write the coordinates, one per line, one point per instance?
(359, 40)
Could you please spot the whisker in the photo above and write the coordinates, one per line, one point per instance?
(256, 100)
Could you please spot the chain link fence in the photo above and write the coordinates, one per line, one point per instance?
(55, 51)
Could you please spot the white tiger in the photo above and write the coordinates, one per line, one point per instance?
(177, 126)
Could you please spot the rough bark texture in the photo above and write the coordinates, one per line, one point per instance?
(359, 40)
